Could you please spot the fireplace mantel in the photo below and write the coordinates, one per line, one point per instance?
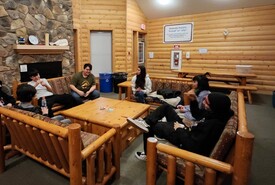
(39, 49)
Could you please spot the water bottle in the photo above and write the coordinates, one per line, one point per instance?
(43, 102)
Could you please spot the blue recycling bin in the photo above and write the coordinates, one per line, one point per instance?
(106, 83)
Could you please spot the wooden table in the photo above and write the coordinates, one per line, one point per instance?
(223, 75)
(127, 85)
(99, 115)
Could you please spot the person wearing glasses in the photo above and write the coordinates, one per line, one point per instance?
(83, 85)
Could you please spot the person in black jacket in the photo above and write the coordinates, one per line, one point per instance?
(201, 137)
(5, 99)
(25, 93)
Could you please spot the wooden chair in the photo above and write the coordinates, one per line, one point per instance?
(63, 148)
(231, 156)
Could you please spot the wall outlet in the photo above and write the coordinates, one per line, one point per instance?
(151, 54)
(187, 55)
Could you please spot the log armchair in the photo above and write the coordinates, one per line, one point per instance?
(62, 147)
(230, 158)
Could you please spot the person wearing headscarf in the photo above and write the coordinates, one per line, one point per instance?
(199, 138)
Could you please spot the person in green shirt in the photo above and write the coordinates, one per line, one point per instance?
(83, 85)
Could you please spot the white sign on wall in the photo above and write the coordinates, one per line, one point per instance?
(178, 32)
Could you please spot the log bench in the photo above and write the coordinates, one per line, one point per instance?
(61, 147)
(230, 158)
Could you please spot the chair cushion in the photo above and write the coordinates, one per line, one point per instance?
(228, 135)
(60, 85)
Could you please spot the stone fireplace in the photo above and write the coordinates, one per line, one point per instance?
(22, 18)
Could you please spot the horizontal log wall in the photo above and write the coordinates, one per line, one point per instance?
(135, 18)
(251, 41)
(94, 15)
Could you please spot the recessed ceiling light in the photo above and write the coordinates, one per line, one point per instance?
(164, 2)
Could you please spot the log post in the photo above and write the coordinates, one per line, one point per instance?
(151, 163)
(2, 154)
(242, 158)
(75, 154)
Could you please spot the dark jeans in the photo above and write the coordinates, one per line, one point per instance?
(161, 129)
(140, 96)
(64, 99)
(79, 99)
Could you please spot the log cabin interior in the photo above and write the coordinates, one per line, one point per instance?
(224, 34)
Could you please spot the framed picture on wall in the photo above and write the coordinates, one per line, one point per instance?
(176, 59)
(173, 33)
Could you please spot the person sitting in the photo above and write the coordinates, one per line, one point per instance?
(83, 85)
(200, 138)
(5, 99)
(141, 84)
(25, 93)
(200, 89)
(44, 89)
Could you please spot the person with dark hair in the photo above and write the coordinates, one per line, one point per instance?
(141, 84)
(83, 85)
(200, 138)
(44, 89)
(5, 99)
(25, 93)
(200, 89)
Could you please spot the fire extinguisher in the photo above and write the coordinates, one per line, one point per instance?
(176, 59)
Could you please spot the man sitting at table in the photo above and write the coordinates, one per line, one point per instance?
(83, 85)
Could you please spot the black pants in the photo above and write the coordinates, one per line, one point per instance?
(161, 129)
(64, 99)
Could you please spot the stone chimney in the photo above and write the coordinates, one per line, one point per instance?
(22, 18)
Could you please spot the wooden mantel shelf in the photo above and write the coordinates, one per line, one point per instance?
(39, 49)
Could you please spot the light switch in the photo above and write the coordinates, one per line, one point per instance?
(187, 55)
(151, 54)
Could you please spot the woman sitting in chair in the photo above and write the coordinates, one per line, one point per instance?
(141, 84)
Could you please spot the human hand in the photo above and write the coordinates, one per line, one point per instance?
(138, 89)
(81, 93)
(87, 94)
(9, 105)
(181, 108)
(42, 83)
(45, 110)
(178, 125)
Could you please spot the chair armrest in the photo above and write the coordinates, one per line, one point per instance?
(195, 158)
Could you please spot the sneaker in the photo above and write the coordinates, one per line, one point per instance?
(140, 156)
(142, 121)
(140, 124)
